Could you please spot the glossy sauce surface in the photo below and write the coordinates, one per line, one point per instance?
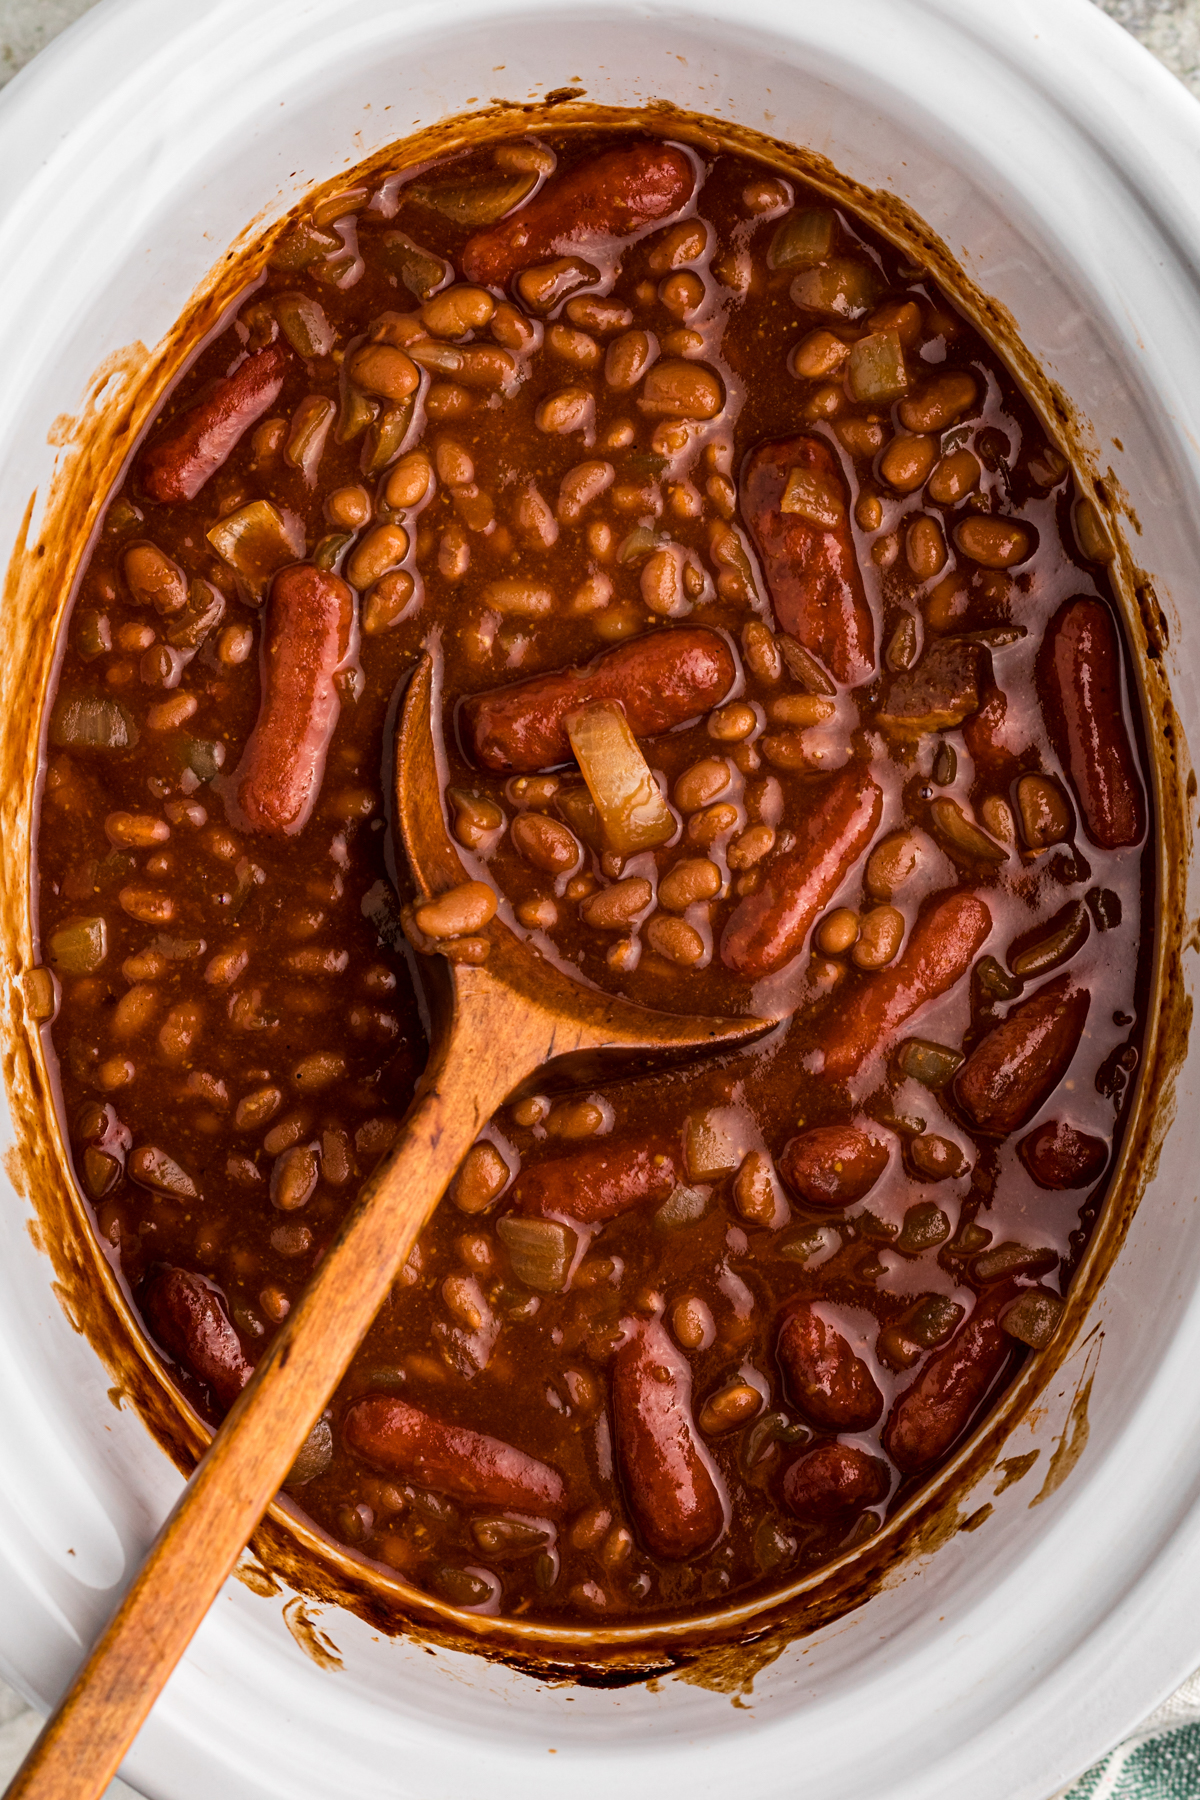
(774, 678)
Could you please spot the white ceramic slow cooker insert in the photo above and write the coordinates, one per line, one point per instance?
(1058, 162)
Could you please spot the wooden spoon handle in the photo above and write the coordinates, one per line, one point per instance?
(492, 1045)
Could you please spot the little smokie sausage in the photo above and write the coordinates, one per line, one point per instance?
(598, 1182)
(769, 927)
(939, 951)
(832, 1482)
(936, 1409)
(669, 1477)
(187, 1317)
(808, 555)
(306, 635)
(399, 1439)
(1058, 1156)
(833, 1165)
(824, 1376)
(195, 444)
(661, 681)
(611, 196)
(1079, 681)
(1021, 1061)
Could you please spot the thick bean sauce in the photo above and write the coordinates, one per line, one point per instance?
(780, 672)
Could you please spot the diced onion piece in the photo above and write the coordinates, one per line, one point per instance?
(803, 239)
(541, 1251)
(957, 832)
(877, 369)
(577, 808)
(306, 440)
(421, 272)
(303, 323)
(712, 1142)
(473, 203)
(814, 497)
(838, 289)
(91, 722)
(632, 811)
(78, 948)
(683, 1206)
(257, 542)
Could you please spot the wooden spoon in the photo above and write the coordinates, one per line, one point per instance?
(499, 1022)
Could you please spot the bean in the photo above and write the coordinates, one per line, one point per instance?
(693, 879)
(615, 907)
(518, 599)
(545, 843)
(761, 652)
(318, 1070)
(934, 1158)
(457, 310)
(537, 791)
(954, 478)
(662, 586)
(906, 463)
(567, 410)
(812, 569)
(196, 443)
(705, 828)
(580, 486)
(169, 714)
(682, 294)
(661, 681)
(1045, 815)
(754, 1191)
(481, 1180)
(769, 927)
(941, 948)
(573, 346)
(538, 915)
(378, 552)
(731, 723)
(255, 1110)
(800, 709)
(306, 636)
(1079, 682)
(838, 931)
(939, 402)
(317, 962)
(384, 370)
(818, 354)
(1058, 1156)
(446, 400)
(348, 507)
(453, 463)
(180, 1029)
(893, 862)
(147, 905)
(702, 783)
(225, 967)
(675, 939)
(136, 830)
(294, 1178)
(824, 1376)
(832, 1481)
(627, 359)
(671, 1482)
(678, 389)
(153, 579)
(993, 543)
(734, 1404)
(608, 197)
(408, 483)
(925, 547)
(513, 330)
(234, 645)
(188, 1319)
(114, 1072)
(577, 1119)
(466, 908)
(542, 287)
(399, 1439)
(833, 1165)
(935, 1410)
(152, 1168)
(1016, 1067)
(533, 517)
(386, 603)
(134, 1010)
(881, 934)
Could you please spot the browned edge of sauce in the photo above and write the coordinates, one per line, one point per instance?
(726, 1648)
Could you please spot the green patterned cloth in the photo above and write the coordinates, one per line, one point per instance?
(1161, 1761)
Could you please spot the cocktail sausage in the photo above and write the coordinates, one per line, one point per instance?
(195, 444)
(404, 1440)
(669, 1477)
